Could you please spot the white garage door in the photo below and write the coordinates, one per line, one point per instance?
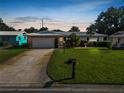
(43, 42)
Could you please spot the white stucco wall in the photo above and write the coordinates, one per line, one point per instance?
(83, 38)
(101, 39)
(121, 43)
(117, 43)
(114, 41)
(92, 39)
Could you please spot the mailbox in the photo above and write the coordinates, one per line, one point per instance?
(71, 61)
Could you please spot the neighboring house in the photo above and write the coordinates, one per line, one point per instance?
(118, 39)
(9, 37)
(86, 37)
(49, 39)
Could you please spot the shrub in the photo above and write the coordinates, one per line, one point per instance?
(1, 43)
(103, 44)
(109, 45)
(73, 40)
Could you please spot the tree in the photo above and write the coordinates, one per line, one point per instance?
(43, 29)
(91, 29)
(4, 27)
(57, 30)
(108, 22)
(74, 29)
(30, 30)
(1, 21)
(73, 40)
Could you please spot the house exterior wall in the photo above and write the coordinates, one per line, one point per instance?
(94, 38)
(100, 39)
(121, 42)
(118, 41)
(8, 39)
(83, 38)
(114, 41)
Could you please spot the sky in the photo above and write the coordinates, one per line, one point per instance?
(57, 14)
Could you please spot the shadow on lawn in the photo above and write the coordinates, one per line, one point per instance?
(50, 83)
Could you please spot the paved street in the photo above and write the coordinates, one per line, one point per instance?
(61, 91)
(26, 70)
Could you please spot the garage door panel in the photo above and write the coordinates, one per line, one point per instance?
(43, 43)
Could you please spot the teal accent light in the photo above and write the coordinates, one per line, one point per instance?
(22, 39)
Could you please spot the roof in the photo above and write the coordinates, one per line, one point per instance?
(68, 33)
(50, 33)
(44, 34)
(118, 34)
(10, 33)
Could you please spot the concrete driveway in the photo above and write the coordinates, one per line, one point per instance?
(26, 70)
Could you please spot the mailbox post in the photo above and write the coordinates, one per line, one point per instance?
(73, 62)
(73, 68)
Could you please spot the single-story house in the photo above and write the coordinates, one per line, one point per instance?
(9, 37)
(118, 39)
(49, 39)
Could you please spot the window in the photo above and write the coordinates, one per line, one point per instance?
(105, 38)
(5, 38)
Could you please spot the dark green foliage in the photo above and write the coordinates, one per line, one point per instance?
(73, 40)
(9, 53)
(1, 21)
(31, 30)
(57, 30)
(34, 30)
(109, 45)
(103, 44)
(1, 43)
(43, 29)
(74, 29)
(108, 22)
(4, 27)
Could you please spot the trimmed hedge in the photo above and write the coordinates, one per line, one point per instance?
(103, 44)
(1, 44)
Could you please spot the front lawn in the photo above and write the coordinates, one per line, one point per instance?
(96, 66)
(6, 54)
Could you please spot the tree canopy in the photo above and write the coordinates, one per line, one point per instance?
(31, 30)
(57, 30)
(4, 27)
(108, 22)
(74, 29)
(43, 29)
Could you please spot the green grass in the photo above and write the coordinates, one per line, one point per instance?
(96, 66)
(6, 54)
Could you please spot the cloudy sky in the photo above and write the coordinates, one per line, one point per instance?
(57, 14)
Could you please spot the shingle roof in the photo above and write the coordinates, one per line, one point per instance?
(51, 33)
(118, 34)
(68, 33)
(10, 33)
(44, 34)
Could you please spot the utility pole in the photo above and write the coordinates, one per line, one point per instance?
(42, 23)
